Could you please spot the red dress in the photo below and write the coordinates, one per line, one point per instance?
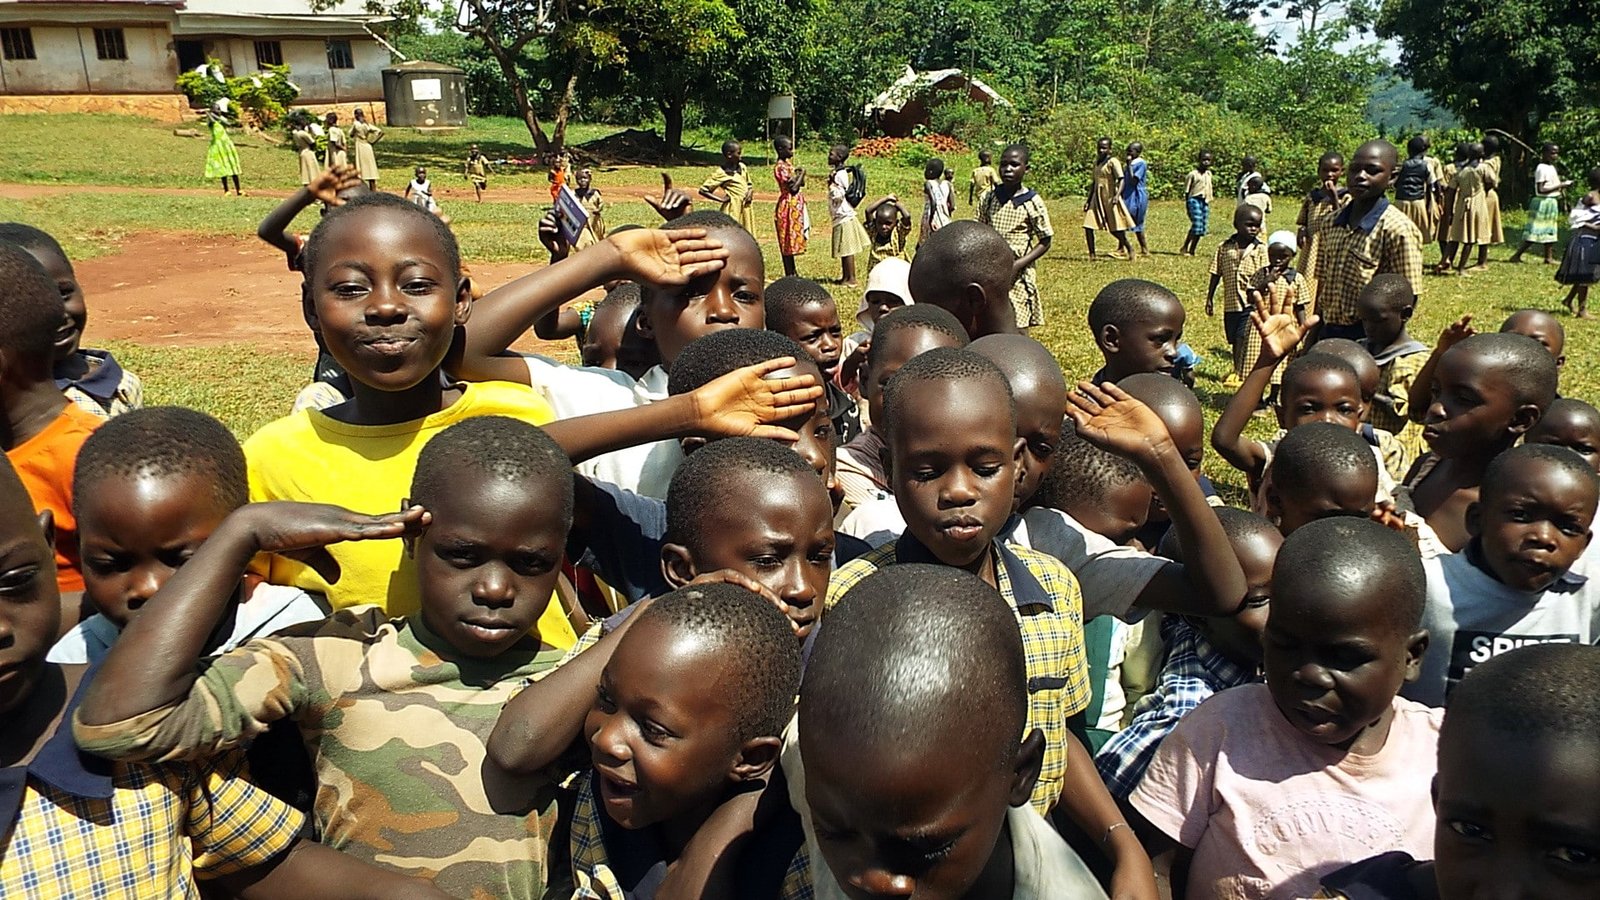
(791, 212)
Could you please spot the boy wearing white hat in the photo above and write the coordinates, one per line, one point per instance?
(888, 287)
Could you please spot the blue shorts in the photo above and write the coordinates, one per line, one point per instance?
(1199, 216)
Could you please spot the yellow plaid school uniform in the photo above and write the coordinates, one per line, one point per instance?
(1316, 211)
(1491, 184)
(740, 192)
(1049, 608)
(1023, 220)
(1262, 279)
(79, 826)
(592, 874)
(1397, 372)
(1351, 251)
(1234, 265)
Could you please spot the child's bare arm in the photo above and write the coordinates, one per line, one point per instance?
(1420, 395)
(152, 665)
(274, 229)
(1211, 295)
(643, 255)
(741, 403)
(1280, 333)
(1212, 583)
(1086, 801)
(867, 212)
(559, 324)
(311, 869)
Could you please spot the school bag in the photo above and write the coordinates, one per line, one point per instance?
(856, 190)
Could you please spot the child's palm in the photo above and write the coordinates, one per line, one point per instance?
(744, 402)
(674, 257)
(1107, 417)
(302, 530)
(1280, 332)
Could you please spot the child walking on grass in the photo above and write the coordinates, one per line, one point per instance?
(1580, 267)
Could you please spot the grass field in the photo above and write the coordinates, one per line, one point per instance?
(246, 387)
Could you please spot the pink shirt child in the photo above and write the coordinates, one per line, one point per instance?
(1267, 811)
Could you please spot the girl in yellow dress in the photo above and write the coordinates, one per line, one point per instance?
(1104, 210)
(305, 145)
(594, 230)
(732, 179)
(338, 151)
(1471, 223)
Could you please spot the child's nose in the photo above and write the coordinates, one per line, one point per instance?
(493, 586)
(882, 883)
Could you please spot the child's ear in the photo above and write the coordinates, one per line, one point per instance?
(1025, 771)
(756, 758)
(691, 444)
(1474, 518)
(1416, 648)
(1019, 457)
(677, 565)
(974, 298)
(1274, 503)
(463, 300)
(1405, 313)
(1109, 339)
(1526, 416)
(47, 525)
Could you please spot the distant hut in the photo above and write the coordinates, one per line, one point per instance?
(907, 103)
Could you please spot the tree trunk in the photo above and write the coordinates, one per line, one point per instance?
(507, 60)
(564, 108)
(672, 115)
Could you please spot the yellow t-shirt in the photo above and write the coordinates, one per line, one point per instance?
(309, 457)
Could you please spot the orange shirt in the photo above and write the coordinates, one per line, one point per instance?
(45, 462)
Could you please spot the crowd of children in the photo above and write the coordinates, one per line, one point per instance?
(926, 615)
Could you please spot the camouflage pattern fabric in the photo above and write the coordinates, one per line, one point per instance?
(396, 728)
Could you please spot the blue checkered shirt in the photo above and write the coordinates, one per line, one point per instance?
(1194, 670)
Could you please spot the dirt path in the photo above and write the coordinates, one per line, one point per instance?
(184, 290)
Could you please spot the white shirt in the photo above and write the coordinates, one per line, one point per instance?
(269, 609)
(1471, 617)
(838, 207)
(1546, 180)
(574, 391)
(936, 195)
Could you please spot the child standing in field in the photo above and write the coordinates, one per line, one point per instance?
(1471, 223)
(305, 145)
(365, 134)
(1491, 164)
(1416, 186)
(594, 227)
(1237, 261)
(1255, 194)
(849, 238)
(733, 180)
(938, 200)
(790, 217)
(1544, 210)
(984, 179)
(420, 191)
(476, 169)
(222, 157)
(1197, 192)
(338, 152)
(1580, 267)
(1104, 210)
(1136, 192)
(1019, 214)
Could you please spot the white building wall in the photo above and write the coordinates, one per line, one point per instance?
(66, 63)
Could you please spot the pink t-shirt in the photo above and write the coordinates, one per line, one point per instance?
(1267, 811)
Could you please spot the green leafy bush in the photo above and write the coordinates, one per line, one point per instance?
(261, 98)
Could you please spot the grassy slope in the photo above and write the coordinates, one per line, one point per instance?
(247, 388)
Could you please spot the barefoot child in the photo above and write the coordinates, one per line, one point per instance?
(1021, 217)
(1488, 390)
(1544, 210)
(849, 238)
(1198, 190)
(938, 199)
(732, 180)
(75, 825)
(1416, 186)
(1580, 265)
(1325, 741)
(1103, 209)
(1136, 192)
(913, 697)
(92, 379)
(1470, 224)
(791, 221)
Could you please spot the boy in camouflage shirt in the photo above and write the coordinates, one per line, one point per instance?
(395, 712)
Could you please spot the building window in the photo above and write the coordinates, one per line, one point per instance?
(268, 53)
(339, 55)
(108, 44)
(16, 43)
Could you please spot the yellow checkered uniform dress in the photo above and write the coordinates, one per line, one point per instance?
(1049, 609)
(1023, 220)
(1395, 379)
(119, 830)
(1350, 252)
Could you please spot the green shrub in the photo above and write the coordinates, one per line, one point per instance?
(262, 98)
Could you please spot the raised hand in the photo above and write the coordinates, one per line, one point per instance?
(301, 531)
(1280, 332)
(667, 258)
(744, 402)
(1108, 418)
(327, 185)
(1456, 332)
(671, 204)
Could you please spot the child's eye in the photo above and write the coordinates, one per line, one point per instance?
(1575, 856)
(653, 732)
(460, 557)
(987, 471)
(17, 581)
(1041, 449)
(747, 297)
(531, 564)
(603, 700)
(349, 289)
(766, 561)
(924, 475)
(419, 286)
(1470, 830)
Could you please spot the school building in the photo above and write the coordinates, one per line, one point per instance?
(125, 55)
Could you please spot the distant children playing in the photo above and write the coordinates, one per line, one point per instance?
(1580, 266)
(476, 169)
(1103, 209)
(1020, 215)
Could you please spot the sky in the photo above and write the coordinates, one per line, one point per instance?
(1279, 25)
